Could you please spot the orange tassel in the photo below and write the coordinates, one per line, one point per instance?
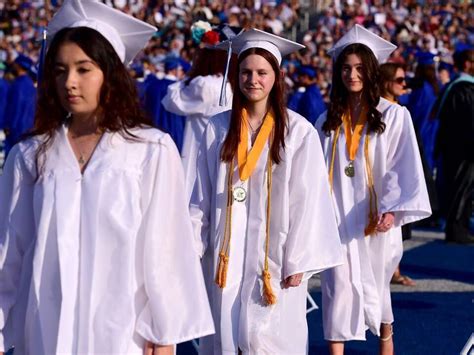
(371, 226)
(268, 295)
(221, 276)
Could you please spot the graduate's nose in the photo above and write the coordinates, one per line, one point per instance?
(251, 78)
(70, 80)
(354, 74)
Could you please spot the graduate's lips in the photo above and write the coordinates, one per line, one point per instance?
(73, 98)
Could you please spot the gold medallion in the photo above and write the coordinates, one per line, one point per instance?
(239, 194)
(349, 170)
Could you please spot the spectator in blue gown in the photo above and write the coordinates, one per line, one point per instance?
(20, 107)
(4, 85)
(308, 102)
(155, 92)
(425, 89)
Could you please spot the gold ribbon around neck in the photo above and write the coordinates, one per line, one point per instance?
(247, 161)
(353, 137)
(352, 144)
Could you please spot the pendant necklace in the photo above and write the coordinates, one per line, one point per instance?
(81, 159)
(349, 169)
(240, 193)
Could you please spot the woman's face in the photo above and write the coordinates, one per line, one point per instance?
(397, 86)
(78, 80)
(352, 74)
(256, 78)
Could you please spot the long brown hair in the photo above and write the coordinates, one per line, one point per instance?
(426, 72)
(276, 102)
(387, 74)
(339, 97)
(119, 105)
(207, 61)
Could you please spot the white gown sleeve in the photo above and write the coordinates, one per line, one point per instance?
(16, 232)
(403, 188)
(313, 243)
(177, 307)
(200, 206)
(199, 97)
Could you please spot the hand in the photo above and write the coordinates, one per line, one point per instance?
(385, 222)
(152, 349)
(293, 281)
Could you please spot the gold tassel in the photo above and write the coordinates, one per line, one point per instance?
(371, 227)
(268, 295)
(221, 276)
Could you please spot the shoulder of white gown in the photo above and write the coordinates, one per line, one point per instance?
(297, 123)
(150, 135)
(220, 122)
(392, 112)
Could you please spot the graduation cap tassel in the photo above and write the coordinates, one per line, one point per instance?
(223, 98)
(42, 57)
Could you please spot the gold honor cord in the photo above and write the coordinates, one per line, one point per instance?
(221, 275)
(247, 161)
(370, 229)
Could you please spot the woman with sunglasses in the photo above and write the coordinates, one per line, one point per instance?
(377, 184)
(392, 81)
(392, 86)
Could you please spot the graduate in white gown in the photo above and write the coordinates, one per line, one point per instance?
(378, 185)
(260, 210)
(197, 98)
(96, 245)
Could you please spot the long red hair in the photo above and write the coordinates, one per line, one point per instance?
(276, 101)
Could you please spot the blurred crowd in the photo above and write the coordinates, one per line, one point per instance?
(438, 27)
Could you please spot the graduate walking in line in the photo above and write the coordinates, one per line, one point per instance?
(96, 247)
(260, 209)
(197, 96)
(377, 184)
(20, 103)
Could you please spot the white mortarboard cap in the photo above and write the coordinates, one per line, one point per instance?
(358, 34)
(254, 38)
(126, 34)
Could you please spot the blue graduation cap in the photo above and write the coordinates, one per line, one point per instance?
(425, 58)
(307, 70)
(24, 62)
(446, 66)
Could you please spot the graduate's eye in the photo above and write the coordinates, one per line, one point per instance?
(83, 70)
(59, 71)
(262, 73)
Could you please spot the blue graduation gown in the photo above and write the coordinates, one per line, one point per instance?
(311, 105)
(420, 104)
(20, 109)
(4, 86)
(168, 122)
(294, 100)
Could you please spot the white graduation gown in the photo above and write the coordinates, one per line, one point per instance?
(356, 295)
(99, 262)
(198, 101)
(303, 239)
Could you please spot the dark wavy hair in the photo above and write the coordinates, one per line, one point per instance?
(339, 97)
(119, 105)
(276, 101)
